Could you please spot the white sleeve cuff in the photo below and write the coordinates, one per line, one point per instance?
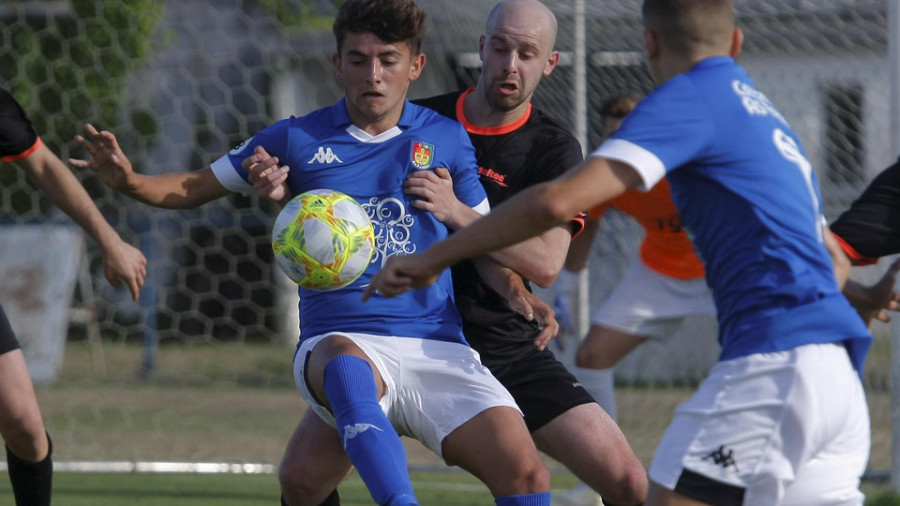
(647, 164)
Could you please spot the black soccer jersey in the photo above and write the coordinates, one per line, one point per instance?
(17, 135)
(510, 158)
(870, 228)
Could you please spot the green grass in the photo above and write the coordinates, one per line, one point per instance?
(108, 489)
(236, 403)
(133, 489)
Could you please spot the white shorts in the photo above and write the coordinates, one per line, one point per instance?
(433, 387)
(787, 428)
(649, 304)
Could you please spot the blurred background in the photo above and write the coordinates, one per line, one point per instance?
(200, 368)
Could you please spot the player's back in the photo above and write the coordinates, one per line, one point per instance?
(749, 198)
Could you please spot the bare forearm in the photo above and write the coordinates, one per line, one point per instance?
(536, 210)
(67, 193)
(538, 258)
(184, 190)
(580, 248)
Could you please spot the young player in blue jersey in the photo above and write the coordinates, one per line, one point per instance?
(782, 418)
(386, 367)
(516, 145)
(29, 452)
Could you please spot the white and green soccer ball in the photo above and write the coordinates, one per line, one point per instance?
(323, 240)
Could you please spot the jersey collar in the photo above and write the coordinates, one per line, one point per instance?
(340, 118)
(492, 130)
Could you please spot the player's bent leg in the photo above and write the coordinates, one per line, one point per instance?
(496, 447)
(337, 374)
(28, 447)
(589, 443)
(314, 463)
(21, 423)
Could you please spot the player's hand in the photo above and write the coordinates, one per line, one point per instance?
(532, 308)
(400, 274)
(123, 262)
(268, 178)
(107, 159)
(435, 189)
(881, 297)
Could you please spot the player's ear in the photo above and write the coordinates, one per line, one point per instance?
(737, 40)
(416, 66)
(552, 62)
(651, 42)
(481, 43)
(336, 61)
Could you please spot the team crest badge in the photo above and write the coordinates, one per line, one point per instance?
(422, 155)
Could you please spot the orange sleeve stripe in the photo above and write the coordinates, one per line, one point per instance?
(34, 147)
(856, 258)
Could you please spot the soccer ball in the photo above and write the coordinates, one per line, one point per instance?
(323, 240)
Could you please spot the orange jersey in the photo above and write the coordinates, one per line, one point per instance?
(666, 248)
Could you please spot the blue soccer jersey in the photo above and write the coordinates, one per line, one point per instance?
(325, 150)
(749, 198)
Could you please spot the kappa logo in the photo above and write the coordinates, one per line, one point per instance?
(351, 431)
(723, 457)
(325, 155)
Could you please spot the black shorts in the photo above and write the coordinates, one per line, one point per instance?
(8, 341)
(541, 385)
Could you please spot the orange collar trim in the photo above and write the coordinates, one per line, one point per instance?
(492, 130)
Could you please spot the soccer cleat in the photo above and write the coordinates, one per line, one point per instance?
(579, 495)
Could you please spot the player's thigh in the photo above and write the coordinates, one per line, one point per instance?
(541, 385)
(314, 458)
(589, 443)
(495, 446)
(18, 405)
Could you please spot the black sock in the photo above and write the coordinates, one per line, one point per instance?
(332, 500)
(31, 481)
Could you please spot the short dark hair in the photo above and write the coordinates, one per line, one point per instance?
(687, 24)
(619, 105)
(392, 21)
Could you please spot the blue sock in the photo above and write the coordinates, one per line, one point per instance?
(539, 499)
(368, 437)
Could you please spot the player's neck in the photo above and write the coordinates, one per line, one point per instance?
(479, 111)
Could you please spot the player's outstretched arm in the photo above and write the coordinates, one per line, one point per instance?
(185, 190)
(531, 212)
(538, 258)
(122, 262)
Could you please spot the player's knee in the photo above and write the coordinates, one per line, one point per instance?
(530, 479)
(25, 435)
(297, 489)
(588, 358)
(632, 486)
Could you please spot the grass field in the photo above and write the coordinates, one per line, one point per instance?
(237, 403)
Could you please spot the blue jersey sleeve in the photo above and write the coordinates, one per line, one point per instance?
(666, 130)
(466, 183)
(231, 173)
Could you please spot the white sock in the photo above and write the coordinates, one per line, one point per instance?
(599, 383)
